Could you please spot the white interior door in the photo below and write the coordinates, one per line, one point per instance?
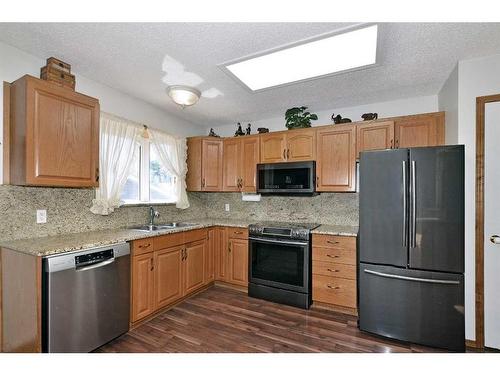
(492, 225)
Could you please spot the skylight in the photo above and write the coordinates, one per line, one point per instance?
(334, 54)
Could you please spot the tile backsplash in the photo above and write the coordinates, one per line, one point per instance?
(68, 210)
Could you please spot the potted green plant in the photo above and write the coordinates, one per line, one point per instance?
(299, 117)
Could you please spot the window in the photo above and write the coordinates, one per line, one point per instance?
(148, 181)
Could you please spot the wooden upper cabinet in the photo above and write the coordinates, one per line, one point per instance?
(142, 286)
(250, 157)
(54, 135)
(336, 159)
(168, 275)
(205, 164)
(419, 130)
(232, 164)
(374, 136)
(194, 265)
(273, 147)
(301, 145)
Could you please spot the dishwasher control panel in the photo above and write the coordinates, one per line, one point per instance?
(99, 256)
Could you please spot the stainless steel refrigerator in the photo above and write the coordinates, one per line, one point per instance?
(411, 245)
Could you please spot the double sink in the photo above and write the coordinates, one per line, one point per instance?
(156, 227)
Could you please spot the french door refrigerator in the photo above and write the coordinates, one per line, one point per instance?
(411, 245)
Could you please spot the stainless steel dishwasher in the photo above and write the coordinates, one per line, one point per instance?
(86, 298)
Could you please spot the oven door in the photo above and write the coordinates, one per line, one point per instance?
(280, 263)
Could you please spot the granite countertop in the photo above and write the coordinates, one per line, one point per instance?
(337, 230)
(50, 245)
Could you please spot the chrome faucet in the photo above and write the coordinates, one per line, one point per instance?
(152, 214)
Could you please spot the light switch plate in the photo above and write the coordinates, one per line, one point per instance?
(41, 216)
(226, 207)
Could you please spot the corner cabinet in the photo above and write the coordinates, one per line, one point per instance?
(419, 130)
(205, 164)
(336, 159)
(53, 134)
(374, 136)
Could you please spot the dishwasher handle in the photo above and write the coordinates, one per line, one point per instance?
(95, 265)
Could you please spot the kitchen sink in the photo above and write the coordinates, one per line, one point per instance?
(153, 228)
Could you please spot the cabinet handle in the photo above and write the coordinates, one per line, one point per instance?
(330, 270)
(332, 242)
(284, 154)
(288, 153)
(397, 143)
(392, 142)
(186, 252)
(332, 287)
(332, 256)
(152, 264)
(229, 247)
(238, 232)
(317, 182)
(203, 182)
(97, 175)
(144, 246)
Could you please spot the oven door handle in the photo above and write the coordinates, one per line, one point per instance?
(277, 241)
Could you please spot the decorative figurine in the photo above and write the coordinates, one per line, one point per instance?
(339, 120)
(263, 130)
(249, 129)
(212, 133)
(369, 116)
(239, 131)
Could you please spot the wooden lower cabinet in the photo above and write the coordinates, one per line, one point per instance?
(334, 271)
(194, 266)
(168, 276)
(238, 261)
(212, 244)
(142, 286)
(221, 254)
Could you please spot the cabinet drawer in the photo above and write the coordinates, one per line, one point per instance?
(195, 235)
(345, 271)
(334, 241)
(326, 254)
(142, 246)
(233, 232)
(168, 240)
(334, 290)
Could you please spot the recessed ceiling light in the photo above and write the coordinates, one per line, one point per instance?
(334, 54)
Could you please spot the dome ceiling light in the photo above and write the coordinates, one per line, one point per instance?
(184, 95)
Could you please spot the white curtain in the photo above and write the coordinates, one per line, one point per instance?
(173, 154)
(117, 142)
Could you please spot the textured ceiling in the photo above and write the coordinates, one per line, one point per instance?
(141, 58)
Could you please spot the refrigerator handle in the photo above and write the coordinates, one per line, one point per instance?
(404, 203)
(413, 223)
(409, 278)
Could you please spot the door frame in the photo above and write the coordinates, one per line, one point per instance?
(481, 102)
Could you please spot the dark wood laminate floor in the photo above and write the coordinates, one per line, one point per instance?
(222, 320)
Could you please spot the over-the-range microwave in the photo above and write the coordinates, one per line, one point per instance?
(295, 178)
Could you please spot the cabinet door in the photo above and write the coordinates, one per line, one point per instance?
(273, 147)
(336, 159)
(238, 261)
(250, 157)
(301, 145)
(194, 264)
(142, 286)
(62, 137)
(232, 164)
(221, 255)
(210, 255)
(420, 130)
(211, 161)
(168, 276)
(374, 136)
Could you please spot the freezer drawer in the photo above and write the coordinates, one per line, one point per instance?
(421, 307)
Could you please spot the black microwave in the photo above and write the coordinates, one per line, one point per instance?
(297, 178)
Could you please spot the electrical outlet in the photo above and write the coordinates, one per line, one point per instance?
(41, 216)
(226, 207)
